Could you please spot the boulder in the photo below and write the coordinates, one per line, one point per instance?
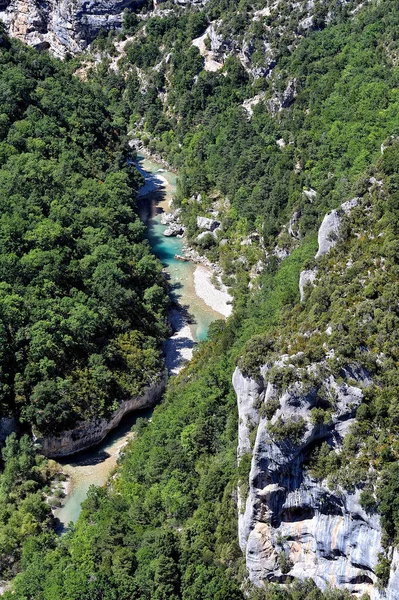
(174, 229)
(208, 224)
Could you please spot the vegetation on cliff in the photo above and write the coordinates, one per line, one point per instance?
(328, 99)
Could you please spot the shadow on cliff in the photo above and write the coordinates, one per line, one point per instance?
(86, 460)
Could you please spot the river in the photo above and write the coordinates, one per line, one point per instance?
(191, 319)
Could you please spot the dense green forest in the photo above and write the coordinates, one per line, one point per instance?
(82, 300)
(79, 334)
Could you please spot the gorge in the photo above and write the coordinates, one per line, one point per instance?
(269, 470)
(192, 318)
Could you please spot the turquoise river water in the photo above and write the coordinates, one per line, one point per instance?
(95, 466)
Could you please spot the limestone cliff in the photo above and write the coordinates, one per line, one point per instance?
(295, 521)
(290, 524)
(89, 434)
(61, 25)
(64, 25)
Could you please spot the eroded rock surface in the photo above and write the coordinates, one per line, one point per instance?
(327, 238)
(65, 25)
(208, 224)
(289, 523)
(88, 434)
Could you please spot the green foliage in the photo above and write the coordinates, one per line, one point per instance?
(82, 301)
(24, 514)
(254, 354)
(284, 563)
(346, 104)
(324, 461)
(382, 570)
(292, 430)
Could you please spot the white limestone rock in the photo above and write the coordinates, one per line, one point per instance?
(328, 233)
(88, 434)
(326, 535)
(64, 26)
(208, 224)
(329, 229)
(173, 230)
(306, 277)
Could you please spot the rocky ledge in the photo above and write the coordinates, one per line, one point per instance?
(89, 434)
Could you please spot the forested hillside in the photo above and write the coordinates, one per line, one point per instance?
(82, 300)
(276, 116)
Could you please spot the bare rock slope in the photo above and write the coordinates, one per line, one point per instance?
(291, 524)
(64, 25)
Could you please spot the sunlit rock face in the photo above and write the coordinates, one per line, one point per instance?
(64, 25)
(291, 525)
(90, 433)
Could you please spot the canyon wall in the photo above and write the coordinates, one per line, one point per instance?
(294, 521)
(89, 434)
(65, 25)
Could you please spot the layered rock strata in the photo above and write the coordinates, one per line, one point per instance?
(291, 525)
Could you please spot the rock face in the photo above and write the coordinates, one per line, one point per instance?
(91, 433)
(329, 229)
(208, 224)
(327, 238)
(305, 277)
(289, 523)
(64, 25)
(328, 232)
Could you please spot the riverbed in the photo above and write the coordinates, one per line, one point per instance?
(190, 319)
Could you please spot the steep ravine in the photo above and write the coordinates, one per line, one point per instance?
(190, 317)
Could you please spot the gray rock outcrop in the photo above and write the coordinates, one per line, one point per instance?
(208, 224)
(65, 25)
(328, 232)
(89, 434)
(306, 277)
(329, 229)
(61, 25)
(290, 524)
(327, 239)
(174, 229)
